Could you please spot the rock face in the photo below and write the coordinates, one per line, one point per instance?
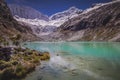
(67, 13)
(101, 22)
(18, 62)
(41, 26)
(98, 23)
(26, 12)
(9, 26)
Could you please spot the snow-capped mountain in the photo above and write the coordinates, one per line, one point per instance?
(61, 17)
(10, 27)
(26, 12)
(42, 25)
(54, 20)
(66, 14)
(101, 22)
(39, 27)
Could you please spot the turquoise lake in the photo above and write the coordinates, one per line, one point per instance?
(77, 61)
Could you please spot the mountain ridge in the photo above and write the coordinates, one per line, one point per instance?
(42, 25)
(26, 12)
(99, 23)
(69, 12)
(86, 25)
(10, 27)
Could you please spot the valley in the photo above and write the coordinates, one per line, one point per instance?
(74, 24)
(72, 44)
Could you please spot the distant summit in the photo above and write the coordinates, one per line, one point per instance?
(26, 12)
(100, 22)
(40, 23)
(10, 27)
(71, 11)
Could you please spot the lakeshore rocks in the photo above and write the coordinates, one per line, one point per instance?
(5, 53)
(45, 56)
(18, 62)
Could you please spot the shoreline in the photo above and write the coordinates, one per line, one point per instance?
(19, 62)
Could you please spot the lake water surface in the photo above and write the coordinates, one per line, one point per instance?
(77, 61)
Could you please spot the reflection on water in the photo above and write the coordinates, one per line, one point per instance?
(78, 61)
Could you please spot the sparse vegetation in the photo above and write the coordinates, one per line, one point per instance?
(16, 39)
(17, 62)
(20, 64)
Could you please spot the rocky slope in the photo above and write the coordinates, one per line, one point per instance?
(26, 12)
(40, 26)
(15, 61)
(10, 27)
(101, 22)
(72, 11)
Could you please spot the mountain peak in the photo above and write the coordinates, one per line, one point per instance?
(73, 8)
(25, 12)
(71, 11)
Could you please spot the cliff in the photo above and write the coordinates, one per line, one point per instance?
(10, 27)
(101, 22)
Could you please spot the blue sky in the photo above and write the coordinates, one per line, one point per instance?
(50, 7)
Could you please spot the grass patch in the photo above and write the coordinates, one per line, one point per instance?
(22, 62)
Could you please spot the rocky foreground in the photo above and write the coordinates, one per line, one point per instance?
(16, 63)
